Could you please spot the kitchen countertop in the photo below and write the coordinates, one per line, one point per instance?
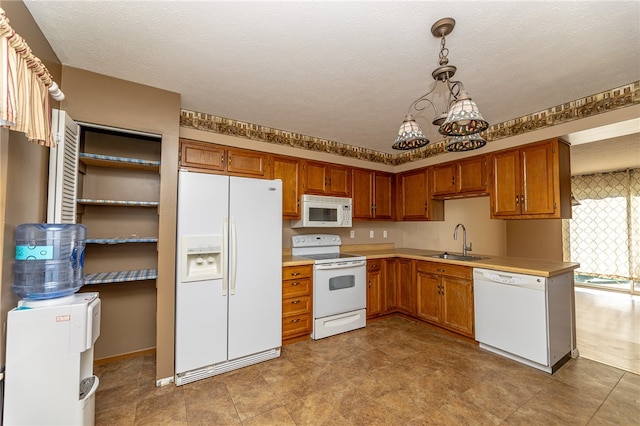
(539, 267)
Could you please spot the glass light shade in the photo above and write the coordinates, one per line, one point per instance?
(465, 143)
(464, 118)
(410, 135)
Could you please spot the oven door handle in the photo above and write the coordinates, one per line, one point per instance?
(355, 264)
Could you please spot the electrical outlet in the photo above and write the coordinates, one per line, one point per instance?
(352, 234)
(371, 234)
(384, 234)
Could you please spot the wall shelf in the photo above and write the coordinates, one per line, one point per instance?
(120, 203)
(120, 240)
(118, 162)
(120, 276)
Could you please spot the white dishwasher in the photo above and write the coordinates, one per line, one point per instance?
(524, 317)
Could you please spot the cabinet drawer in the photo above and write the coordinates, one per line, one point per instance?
(295, 288)
(296, 306)
(296, 325)
(295, 272)
(439, 268)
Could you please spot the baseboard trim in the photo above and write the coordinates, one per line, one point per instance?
(150, 351)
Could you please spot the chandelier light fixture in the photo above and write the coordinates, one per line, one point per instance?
(460, 120)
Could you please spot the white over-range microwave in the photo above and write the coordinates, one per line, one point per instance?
(320, 211)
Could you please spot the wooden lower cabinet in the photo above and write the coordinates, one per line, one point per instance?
(297, 302)
(406, 290)
(375, 287)
(390, 293)
(445, 296)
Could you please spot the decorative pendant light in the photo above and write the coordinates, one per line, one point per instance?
(410, 135)
(461, 116)
(465, 143)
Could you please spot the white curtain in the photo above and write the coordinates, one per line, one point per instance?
(604, 233)
(24, 97)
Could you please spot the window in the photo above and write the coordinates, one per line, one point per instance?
(604, 234)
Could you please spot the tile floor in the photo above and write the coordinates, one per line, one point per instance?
(393, 372)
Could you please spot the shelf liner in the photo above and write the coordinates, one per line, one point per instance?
(120, 276)
(120, 159)
(120, 240)
(119, 202)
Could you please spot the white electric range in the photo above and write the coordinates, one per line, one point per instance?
(339, 284)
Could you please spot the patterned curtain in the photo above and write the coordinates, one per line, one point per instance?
(24, 97)
(604, 234)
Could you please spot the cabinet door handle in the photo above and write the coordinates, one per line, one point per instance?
(295, 283)
(295, 302)
(517, 200)
(295, 274)
(453, 180)
(295, 320)
(441, 270)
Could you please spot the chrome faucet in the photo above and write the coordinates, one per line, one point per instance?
(465, 249)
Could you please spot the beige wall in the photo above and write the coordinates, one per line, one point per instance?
(98, 99)
(487, 235)
(23, 173)
(535, 239)
(23, 167)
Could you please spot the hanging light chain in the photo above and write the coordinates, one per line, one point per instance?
(444, 52)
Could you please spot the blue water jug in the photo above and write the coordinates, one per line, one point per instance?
(49, 260)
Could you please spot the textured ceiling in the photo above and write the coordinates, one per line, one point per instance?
(347, 71)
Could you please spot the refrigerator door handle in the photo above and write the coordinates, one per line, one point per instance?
(225, 254)
(234, 257)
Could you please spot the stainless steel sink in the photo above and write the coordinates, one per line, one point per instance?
(454, 256)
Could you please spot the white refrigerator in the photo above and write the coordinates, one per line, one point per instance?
(229, 272)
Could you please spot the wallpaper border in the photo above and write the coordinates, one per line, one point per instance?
(598, 103)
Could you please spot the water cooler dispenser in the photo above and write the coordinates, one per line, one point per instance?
(51, 333)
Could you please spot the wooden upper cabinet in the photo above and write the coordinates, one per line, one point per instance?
(326, 179)
(444, 179)
(462, 178)
(383, 190)
(288, 170)
(472, 176)
(362, 194)
(201, 155)
(210, 158)
(414, 197)
(241, 162)
(532, 182)
(372, 194)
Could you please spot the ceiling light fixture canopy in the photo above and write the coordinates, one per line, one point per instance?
(460, 118)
